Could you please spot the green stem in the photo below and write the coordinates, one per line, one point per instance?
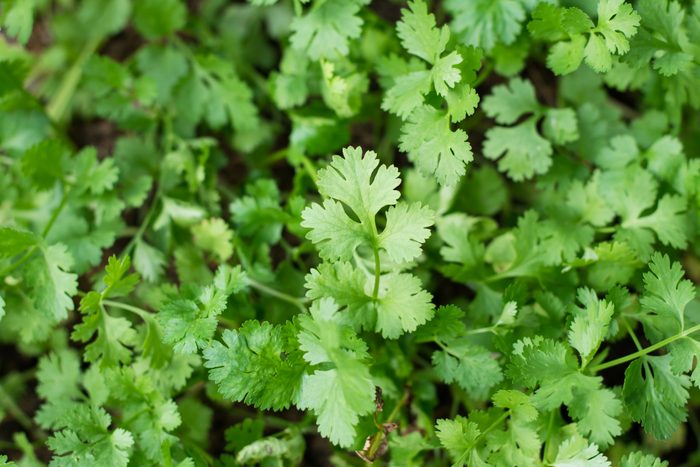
(547, 445)
(481, 330)
(645, 351)
(125, 306)
(377, 274)
(58, 105)
(483, 74)
(15, 410)
(144, 225)
(55, 213)
(630, 331)
(298, 302)
(228, 323)
(605, 230)
(309, 167)
(18, 263)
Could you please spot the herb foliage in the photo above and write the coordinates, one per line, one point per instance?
(295, 232)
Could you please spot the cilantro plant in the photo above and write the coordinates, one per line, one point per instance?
(343, 232)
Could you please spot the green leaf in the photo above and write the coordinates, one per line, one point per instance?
(590, 325)
(190, 319)
(341, 395)
(663, 38)
(115, 335)
(472, 367)
(214, 236)
(148, 261)
(117, 281)
(15, 241)
(326, 30)
(640, 459)
(507, 103)
(459, 437)
(353, 182)
(406, 230)
(576, 451)
(655, 396)
(419, 33)
(157, 18)
(258, 215)
(666, 294)
(18, 18)
(53, 286)
(402, 305)
(434, 147)
(43, 162)
(259, 364)
(522, 151)
(596, 411)
(485, 23)
(560, 126)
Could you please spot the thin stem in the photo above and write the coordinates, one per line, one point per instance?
(309, 167)
(57, 106)
(379, 436)
(377, 274)
(483, 74)
(125, 306)
(18, 263)
(605, 230)
(144, 225)
(298, 302)
(630, 331)
(15, 410)
(547, 446)
(481, 330)
(55, 213)
(645, 351)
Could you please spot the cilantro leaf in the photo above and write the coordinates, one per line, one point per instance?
(354, 182)
(617, 23)
(214, 236)
(590, 324)
(485, 23)
(401, 304)
(639, 459)
(405, 231)
(434, 147)
(419, 34)
(654, 395)
(472, 367)
(666, 294)
(156, 18)
(258, 364)
(577, 451)
(189, 321)
(507, 103)
(327, 28)
(15, 241)
(662, 39)
(51, 282)
(524, 152)
(459, 437)
(341, 395)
